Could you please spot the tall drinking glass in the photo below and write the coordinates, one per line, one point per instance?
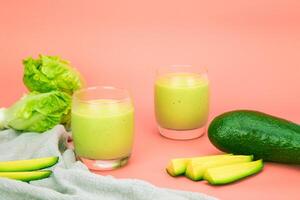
(181, 101)
(102, 127)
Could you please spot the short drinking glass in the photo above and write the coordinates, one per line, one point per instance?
(181, 101)
(102, 127)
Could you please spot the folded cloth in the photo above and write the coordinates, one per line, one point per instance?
(70, 178)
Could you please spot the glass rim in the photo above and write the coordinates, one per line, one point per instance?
(102, 87)
(200, 70)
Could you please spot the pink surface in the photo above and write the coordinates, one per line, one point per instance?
(251, 49)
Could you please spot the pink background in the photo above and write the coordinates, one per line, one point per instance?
(251, 48)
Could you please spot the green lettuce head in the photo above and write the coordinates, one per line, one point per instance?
(48, 73)
(36, 112)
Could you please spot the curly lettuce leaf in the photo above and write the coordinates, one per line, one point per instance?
(48, 73)
(36, 112)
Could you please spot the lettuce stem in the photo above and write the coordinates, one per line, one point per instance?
(2, 118)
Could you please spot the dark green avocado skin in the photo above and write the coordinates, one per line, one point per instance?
(255, 133)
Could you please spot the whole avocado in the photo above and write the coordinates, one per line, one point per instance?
(262, 135)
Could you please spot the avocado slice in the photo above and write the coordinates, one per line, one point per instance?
(27, 165)
(26, 176)
(195, 170)
(230, 173)
(177, 166)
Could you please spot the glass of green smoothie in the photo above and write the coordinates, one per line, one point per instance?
(181, 101)
(102, 127)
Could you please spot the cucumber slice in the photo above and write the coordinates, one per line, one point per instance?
(230, 173)
(27, 165)
(26, 176)
(195, 170)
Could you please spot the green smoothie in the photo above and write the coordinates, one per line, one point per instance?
(182, 101)
(102, 129)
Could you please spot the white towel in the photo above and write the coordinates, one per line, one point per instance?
(71, 180)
